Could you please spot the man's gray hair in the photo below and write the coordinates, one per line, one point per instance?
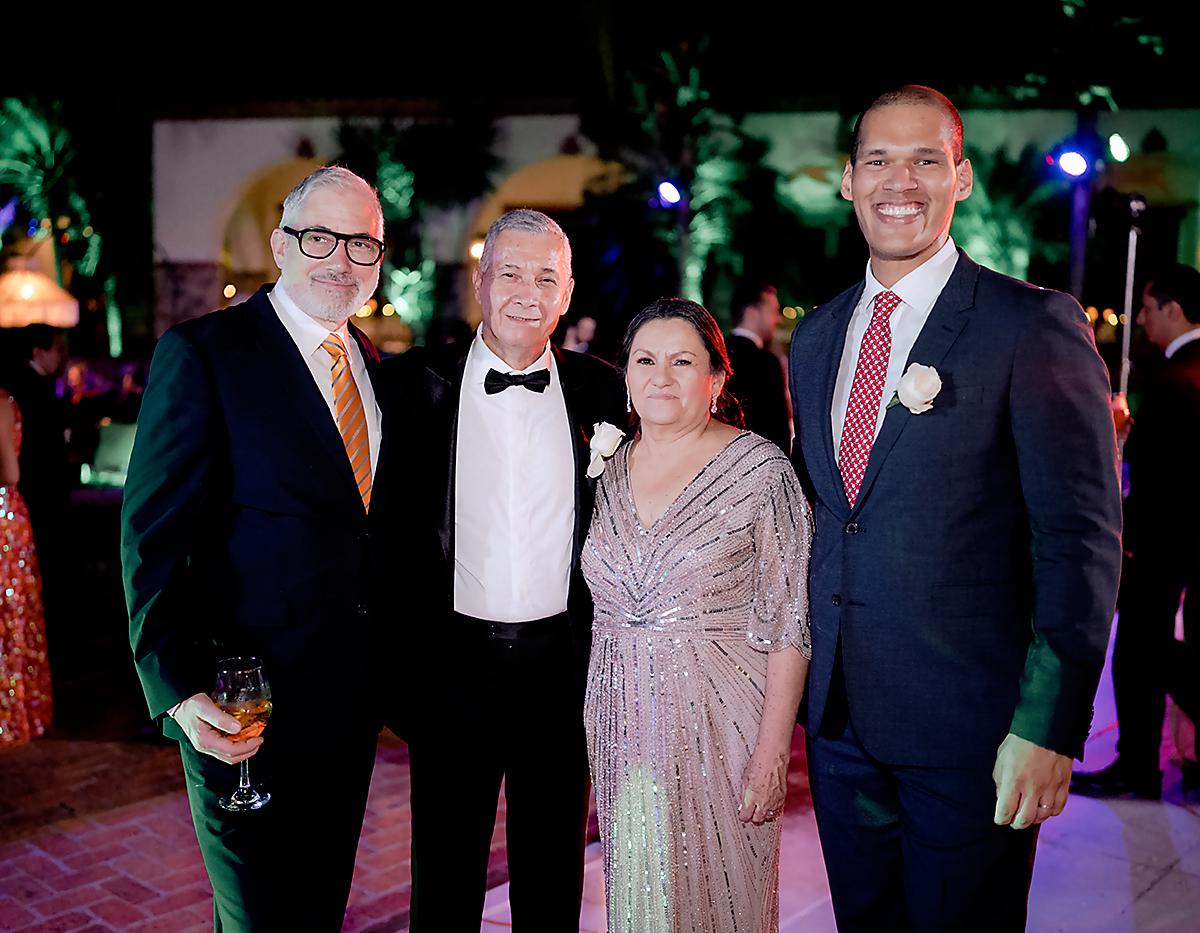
(523, 220)
(328, 176)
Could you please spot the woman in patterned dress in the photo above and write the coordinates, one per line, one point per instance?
(697, 560)
(25, 705)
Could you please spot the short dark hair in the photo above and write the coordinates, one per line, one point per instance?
(746, 295)
(913, 94)
(1178, 283)
(709, 331)
(38, 337)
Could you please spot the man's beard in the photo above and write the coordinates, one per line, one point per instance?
(328, 309)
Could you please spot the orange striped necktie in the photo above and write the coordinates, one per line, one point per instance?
(351, 416)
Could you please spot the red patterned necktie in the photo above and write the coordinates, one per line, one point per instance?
(351, 416)
(862, 411)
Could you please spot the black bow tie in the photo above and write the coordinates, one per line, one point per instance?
(495, 382)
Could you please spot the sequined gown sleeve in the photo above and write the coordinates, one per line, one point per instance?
(686, 612)
(25, 706)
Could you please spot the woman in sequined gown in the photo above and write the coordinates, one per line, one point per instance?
(697, 560)
(25, 705)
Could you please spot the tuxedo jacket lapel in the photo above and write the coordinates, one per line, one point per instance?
(575, 396)
(946, 321)
(444, 378)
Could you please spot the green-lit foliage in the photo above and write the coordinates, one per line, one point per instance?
(35, 166)
(731, 223)
(112, 318)
(996, 224)
(395, 183)
(410, 291)
(1079, 45)
(418, 167)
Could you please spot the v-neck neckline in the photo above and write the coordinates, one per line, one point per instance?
(636, 512)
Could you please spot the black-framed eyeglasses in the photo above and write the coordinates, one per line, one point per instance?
(319, 243)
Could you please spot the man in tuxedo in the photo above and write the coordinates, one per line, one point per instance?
(966, 551)
(503, 510)
(1162, 545)
(247, 531)
(757, 381)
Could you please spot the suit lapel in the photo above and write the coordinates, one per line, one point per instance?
(443, 385)
(946, 321)
(291, 379)
(837, 322)
(575, 398)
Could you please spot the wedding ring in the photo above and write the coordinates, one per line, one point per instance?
(1043, 806)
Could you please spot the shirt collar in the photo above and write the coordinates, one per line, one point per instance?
(749, 335)
(306, 331)
(920, 288)
(482, 359)
(1181, 340)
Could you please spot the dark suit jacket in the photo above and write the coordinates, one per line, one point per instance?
(973, 584)
(45, 471)
(242, 528)
(1162, 513)
(758, 385)
(426, 386)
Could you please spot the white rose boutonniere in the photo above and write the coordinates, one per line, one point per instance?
(606, 438)
(918, 388)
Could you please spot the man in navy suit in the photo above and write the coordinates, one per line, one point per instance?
(967, 547)
(247, 529)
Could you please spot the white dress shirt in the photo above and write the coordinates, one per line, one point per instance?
(308, 334)
(514, 503)
(918, 292)
(1174, 345)
(749, 335)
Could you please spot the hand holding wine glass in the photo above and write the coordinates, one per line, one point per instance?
(242, 692)
(212, 731)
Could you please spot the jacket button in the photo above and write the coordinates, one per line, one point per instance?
(837, 600)
(852, 528)
(361, 609)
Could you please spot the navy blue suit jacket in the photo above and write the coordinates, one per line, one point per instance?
(972, 585)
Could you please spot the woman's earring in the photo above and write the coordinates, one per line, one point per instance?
(628, 400)
(714, 405)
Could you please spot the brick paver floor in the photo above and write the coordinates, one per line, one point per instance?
(97, 836)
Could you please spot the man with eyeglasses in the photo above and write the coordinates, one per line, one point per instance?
(249, 528)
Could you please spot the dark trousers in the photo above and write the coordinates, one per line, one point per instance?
(1147, 662)
(511, 708)
(913, 849)
(287, 866)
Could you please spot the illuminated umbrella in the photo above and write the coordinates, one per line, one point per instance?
(28, 297)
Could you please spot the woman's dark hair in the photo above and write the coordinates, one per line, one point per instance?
(705, 325)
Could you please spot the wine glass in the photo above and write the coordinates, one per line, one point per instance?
(243, 692)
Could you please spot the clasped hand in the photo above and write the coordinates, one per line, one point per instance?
(210, 730)
(1032, 783)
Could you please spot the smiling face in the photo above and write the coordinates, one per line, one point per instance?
(904, 183)
(331, 289)
(670, 378)
(524, 290)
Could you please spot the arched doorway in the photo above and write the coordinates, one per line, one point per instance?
(246, 261)
(555, 186)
